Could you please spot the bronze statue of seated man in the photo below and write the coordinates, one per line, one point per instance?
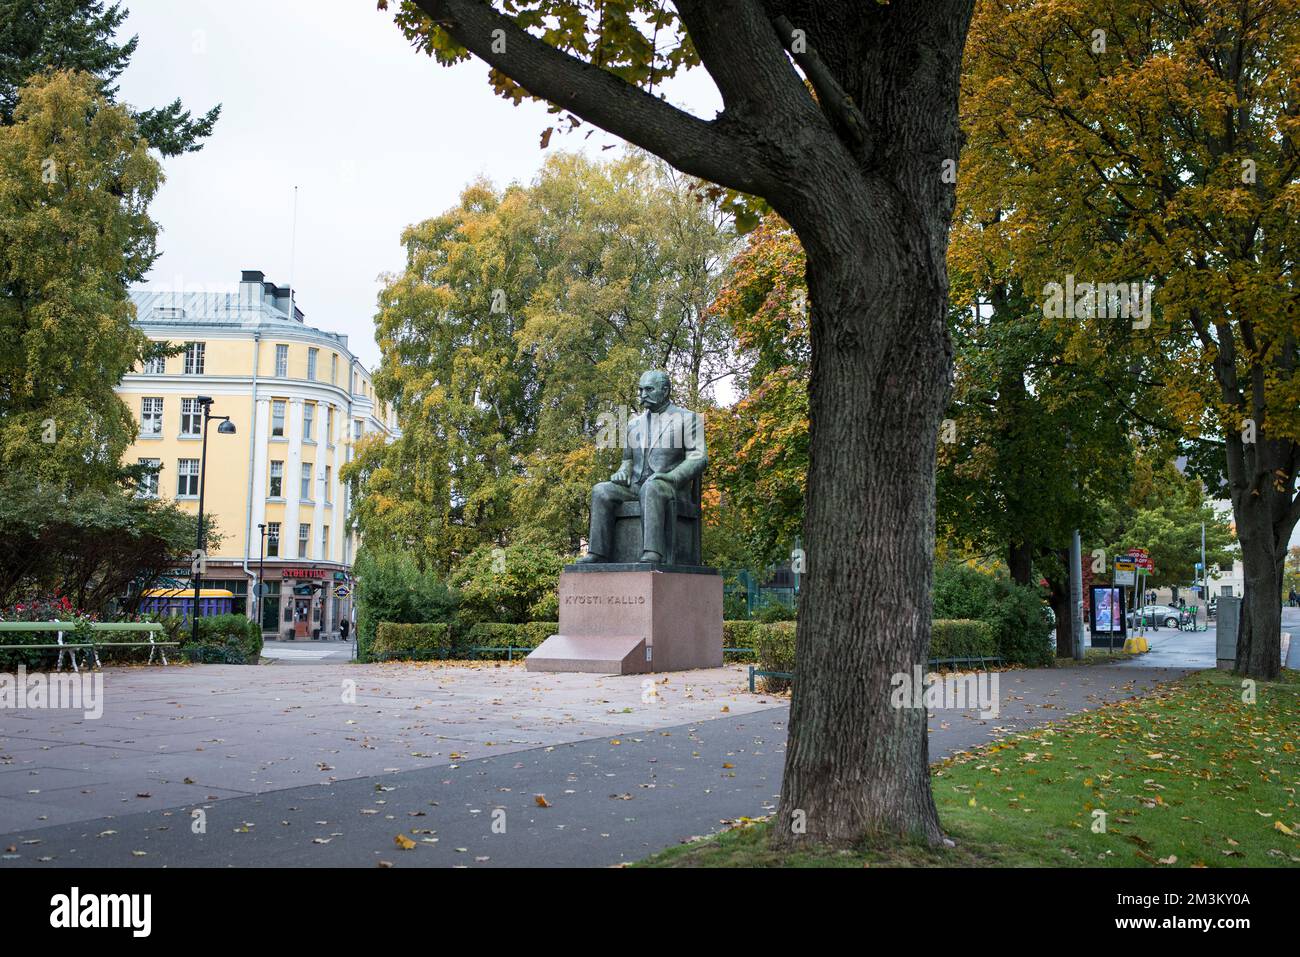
(663, 454)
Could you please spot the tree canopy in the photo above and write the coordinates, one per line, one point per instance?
(517, 331)
(75, 183)
(79, 35)
(1156, 143)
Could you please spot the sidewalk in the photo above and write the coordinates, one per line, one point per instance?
(285, 777)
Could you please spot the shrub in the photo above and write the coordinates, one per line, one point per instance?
(222, 639)
(390, 588)
(514, 584)
(776, 611)
(1015, 612)
(962, 638)
(735, 602)
(407, 640)
(775, 644)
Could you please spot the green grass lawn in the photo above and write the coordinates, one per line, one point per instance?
(1188, 776)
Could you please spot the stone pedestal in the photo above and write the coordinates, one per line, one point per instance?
(621, 619)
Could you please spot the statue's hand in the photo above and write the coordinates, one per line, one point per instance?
(664, 477)
(621, 477)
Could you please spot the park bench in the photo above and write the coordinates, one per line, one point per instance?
(91, 647)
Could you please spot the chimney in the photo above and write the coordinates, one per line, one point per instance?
(282, 299)
(250, 288)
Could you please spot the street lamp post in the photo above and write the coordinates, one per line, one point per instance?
(225, 428)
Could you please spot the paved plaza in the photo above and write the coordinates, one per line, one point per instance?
(295, 766)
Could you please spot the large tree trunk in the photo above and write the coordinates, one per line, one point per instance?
(875, 241)
(1259, 636)
(1262, 510)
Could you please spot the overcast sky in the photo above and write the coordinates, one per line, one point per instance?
(329, 97)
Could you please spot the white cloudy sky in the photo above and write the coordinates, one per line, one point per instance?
(329, 97)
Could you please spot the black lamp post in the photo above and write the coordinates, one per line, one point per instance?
(225, 428)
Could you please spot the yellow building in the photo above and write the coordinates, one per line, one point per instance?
(298, 399)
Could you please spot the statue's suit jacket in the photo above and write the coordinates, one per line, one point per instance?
(675, 447)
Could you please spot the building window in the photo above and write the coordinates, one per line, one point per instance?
(151, 415)
(194, 358)
(148, 487)
(273, 539)
(312, 354)
(277, 479)
(325, 543)
(305, 492)
(191, 417)
(277, 418)
(304, 536)
(356, 429)
(187, 478)
(329, 424)
(308, 420)
(334, 368)
(281, 361)
(329, 496)
(156, 366)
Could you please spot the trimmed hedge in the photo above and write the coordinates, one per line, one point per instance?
(740, 634)
(398, 640)
(440, 640)
(497, 634)
(962, 638)
(775, 644)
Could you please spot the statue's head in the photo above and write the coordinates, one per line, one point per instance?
(653, 389)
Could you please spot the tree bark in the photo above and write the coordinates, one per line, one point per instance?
(1020, 562)
(1259, 635)
(1265, 515)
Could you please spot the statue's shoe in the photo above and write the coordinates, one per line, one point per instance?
(590, 559)
(651, 558)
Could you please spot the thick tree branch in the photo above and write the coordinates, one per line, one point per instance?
(736, 44)
(695, 146)
(833, 97)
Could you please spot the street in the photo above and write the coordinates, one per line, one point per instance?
(1171, 648)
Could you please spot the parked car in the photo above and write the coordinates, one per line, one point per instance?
(1166, 615)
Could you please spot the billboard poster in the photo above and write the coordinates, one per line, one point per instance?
(1107, 614)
